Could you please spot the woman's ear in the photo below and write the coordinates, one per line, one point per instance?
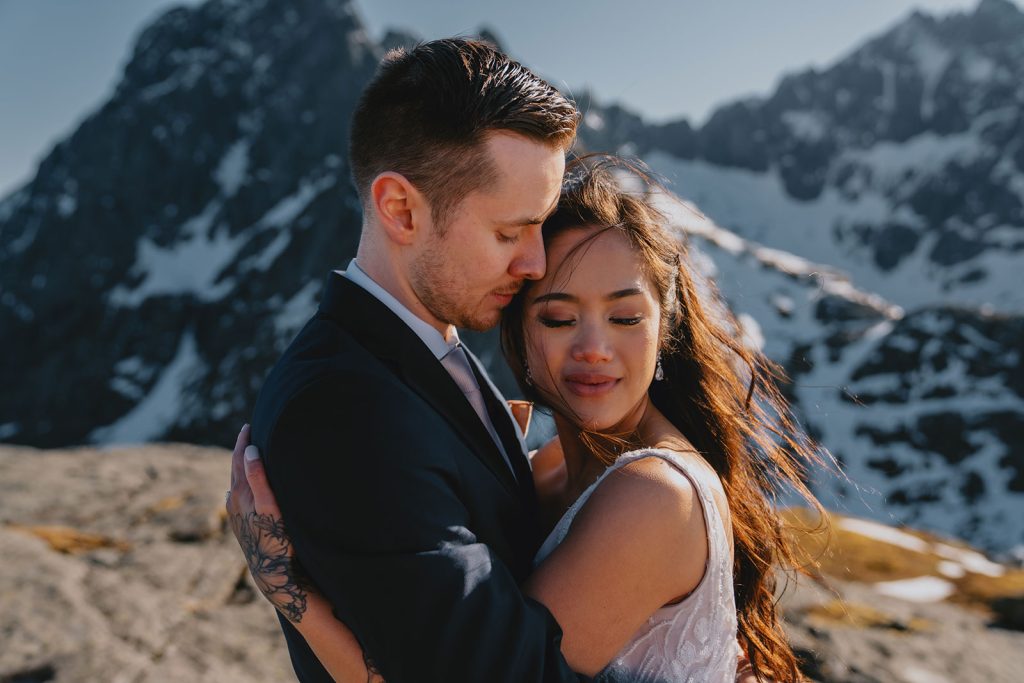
(398, 206)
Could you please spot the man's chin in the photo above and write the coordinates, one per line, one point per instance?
(481, 322)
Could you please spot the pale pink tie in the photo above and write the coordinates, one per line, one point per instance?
(457, 363)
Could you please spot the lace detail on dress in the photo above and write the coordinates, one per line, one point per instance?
(695, 640)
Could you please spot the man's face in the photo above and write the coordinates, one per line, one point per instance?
(492, 242)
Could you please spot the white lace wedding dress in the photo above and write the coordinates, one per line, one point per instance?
(695, 640)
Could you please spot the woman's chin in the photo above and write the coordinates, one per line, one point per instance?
(600, 423)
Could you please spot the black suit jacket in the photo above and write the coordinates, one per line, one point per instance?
(400, 505)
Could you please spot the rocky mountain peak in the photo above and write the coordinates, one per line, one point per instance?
(171, 211)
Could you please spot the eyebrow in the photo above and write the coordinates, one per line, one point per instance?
(562, 296)
(535, 220)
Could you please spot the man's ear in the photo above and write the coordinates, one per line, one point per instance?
(399, 206)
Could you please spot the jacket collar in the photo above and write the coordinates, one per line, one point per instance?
(385, 335)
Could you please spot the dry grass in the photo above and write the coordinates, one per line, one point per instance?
(841, 554)
(70, 541)
(859, 615)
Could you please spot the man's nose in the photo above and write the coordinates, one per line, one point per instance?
(529, 263)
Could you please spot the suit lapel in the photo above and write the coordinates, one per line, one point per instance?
(386, 336)
(505, 425)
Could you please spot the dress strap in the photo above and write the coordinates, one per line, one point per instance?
(714, 524)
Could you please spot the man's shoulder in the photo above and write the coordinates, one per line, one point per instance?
(326, 371)
(322, 350)
(323, 357)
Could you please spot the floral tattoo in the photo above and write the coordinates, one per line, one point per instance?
(272, 563)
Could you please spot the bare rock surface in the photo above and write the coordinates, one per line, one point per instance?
(118, 566)
(851, 634)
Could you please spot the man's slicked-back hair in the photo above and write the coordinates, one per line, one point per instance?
(427, 112)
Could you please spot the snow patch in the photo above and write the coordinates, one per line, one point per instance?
(279, 217)
(920, 589)
(297, 310)
(931, 58)
(130, 377)
(885, 534)
(127, 388)
(891, 163)
(809, 126)
(66, 205)
(752, 336)
(977, 68)
(159, 410)
(286, 210)
(233, 168)
(887, 102)
(12, 203)
(189, 266)
(27, 237)
(970, 560)
(952, 570)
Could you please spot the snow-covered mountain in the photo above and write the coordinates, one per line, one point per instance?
(166, 251)
(900, 164)
(924, 408)
(864, 221)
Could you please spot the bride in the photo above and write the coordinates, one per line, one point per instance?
(672, 443)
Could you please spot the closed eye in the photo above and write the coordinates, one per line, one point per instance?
(553, 322)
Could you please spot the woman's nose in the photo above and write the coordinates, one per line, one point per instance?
(591, 347)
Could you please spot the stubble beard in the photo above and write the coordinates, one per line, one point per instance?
(437, 288)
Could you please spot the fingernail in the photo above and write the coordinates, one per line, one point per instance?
(251, 453)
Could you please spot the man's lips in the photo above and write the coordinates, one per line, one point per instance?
(589, 383)
(506, 297)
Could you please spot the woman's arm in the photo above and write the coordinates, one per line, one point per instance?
(637, 544)
(256, 522)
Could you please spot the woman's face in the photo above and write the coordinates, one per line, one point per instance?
(591, 328)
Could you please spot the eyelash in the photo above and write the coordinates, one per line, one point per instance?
(551, 322)
(508, 240)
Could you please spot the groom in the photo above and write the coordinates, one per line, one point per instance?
(403, 478)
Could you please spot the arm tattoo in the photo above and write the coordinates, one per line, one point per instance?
(272, 563)
(277, 572)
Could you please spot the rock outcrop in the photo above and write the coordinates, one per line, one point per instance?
(118, 567)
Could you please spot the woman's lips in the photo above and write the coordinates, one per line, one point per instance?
(588, 384)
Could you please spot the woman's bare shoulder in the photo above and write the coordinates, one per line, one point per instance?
(648, 492)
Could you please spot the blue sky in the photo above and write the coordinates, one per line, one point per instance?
(662, 58)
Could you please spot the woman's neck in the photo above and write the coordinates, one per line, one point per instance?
(582, 467)
(649, 427)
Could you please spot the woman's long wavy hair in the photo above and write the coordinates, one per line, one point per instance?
(721, 395)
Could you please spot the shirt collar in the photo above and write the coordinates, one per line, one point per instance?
(434, 340)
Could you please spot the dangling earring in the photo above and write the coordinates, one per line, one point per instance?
(659, 372)
(529, 377)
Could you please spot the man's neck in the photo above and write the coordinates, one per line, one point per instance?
(392, 280)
